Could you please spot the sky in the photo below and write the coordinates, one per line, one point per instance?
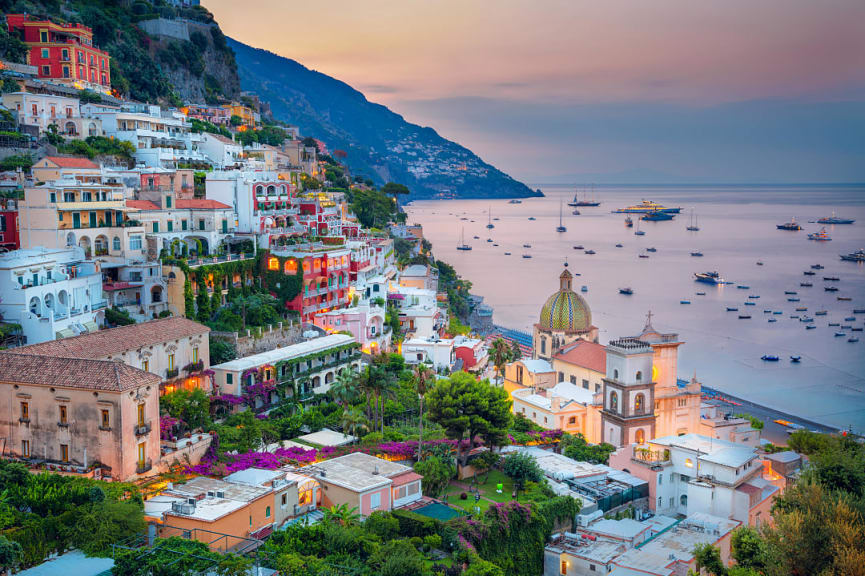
(560, 91)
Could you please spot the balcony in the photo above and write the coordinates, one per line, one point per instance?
(171, 373)
(143, 466)
(143, 429)
(650, 456)
(195, 366)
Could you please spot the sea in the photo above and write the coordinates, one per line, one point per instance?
(737, 229)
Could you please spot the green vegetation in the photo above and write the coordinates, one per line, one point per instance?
(118, 317)
(15, 161)
(94, 146)
(373, 208)
(178, 557)
(456, 288)
(199, 126)
(575, 446)
(521, 468)
(756, 423)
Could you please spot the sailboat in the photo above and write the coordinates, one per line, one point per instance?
(639, 232)
(693, 224)
(462, 245)
(584, 202)
(490, 224)
(561, 226)
(628, 222)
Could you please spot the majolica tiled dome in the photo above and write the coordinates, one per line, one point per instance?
(565, 310)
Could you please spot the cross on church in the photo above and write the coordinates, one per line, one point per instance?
(649, 318)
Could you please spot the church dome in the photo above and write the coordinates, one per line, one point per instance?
(565, 310)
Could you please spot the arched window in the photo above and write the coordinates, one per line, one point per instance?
(654, 373)
(683, 500)
(259, 190)
(639, 376)
(116, 243)
(639, 403)
(614, 402)
(640, 436)
(291, 267)
(615, 374)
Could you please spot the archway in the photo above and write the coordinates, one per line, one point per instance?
(640, 436)
(91, 130)
(328, 378)
(683, 499)
(100, 245)
(36, 306)
(84, 243)
(49, 303)
(70, 239)
(70, 128)
(156, 294)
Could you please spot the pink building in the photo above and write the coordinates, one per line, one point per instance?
(365, 322)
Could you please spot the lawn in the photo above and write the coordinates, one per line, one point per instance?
(487, 491)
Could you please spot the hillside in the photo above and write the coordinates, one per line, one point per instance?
(379, 143)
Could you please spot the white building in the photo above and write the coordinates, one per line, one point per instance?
(223, 152)
(565, 406)
(264, 204)
(51, 293)
(433, 350)
(419, 313)
(44, 110)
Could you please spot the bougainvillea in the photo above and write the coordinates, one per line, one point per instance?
(168, 426)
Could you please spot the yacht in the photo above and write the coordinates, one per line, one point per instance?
(657, 216)
(645, 207)
(462, 245)
(830, 288)
(684, 301)
(809, 273)
(821, 236)
(806, 284)
(561, 226)
(527, 255)
(589, 252)
(626, 291)
(652, 249)
(817, 266)
(531, 218)
(515, 201)
(692, 226)
(639, 232)
(834, 220)
(791, 225)
(831, 279)
(527, 245)
(769, 358)
(709, 278)
(857, 256)
(584, 202)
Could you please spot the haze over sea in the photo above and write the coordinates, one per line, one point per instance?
(737, 229)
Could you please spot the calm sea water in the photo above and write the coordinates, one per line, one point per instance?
(737, 229)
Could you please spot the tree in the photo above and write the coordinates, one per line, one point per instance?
(423, 378)
(500, 354)
(708, 558)
(516, 353)
(10, 554)
(342, 515)
(344, 388)
(575, 446)
(521, 468)
(467, 408)
(353, 421)
(395, 190)
(484, 462)
(437, 473)
(221, 351)
(748, 548)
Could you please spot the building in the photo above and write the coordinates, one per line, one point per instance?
(527, 373)
(52, 293)
(299, 370)
(471, 353)
(423, 277)
(628, 415)
(196, 226)
(63, 53)
(9, 239)
(419, 313)
(248, 117)
(80, 414)
(564, 319)
(366, 322)
(44, 110)
(365, 482)
(582, 363)
(175, 349)
(139, 288)
(725, 426)
(76, 168)
(264, 204)
(221, 150)
(696, 474)
(565, 406)
(438, 352)
(208, 113)
(324, 276)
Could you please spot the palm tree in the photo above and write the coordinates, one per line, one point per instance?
(500, 355)
(344, 389)
(382, 387)
(353, 421)
(342, 514)
(423, 378)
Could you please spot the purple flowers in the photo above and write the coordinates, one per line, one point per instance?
(167, 426)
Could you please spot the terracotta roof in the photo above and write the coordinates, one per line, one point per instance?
(142, 205)
(223, 139)
(78, 373)
(586, 354)
(201, 204)
(405, 478)
(112, 286)
(115, 341)
(72, 162)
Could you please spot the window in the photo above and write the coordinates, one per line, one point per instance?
(145, 365)
(106, 419)
(170, 226)
(564, 568)
(229, 378)
(543, 345)
(284, 502)
(660, 479)
(43, 36)
(141, 414)
(614, 402)
(640, 436)
(660, 502)
(201, 224)
(375, 500)
(63, 414)
(25, 411)
(168, 201)
(682, 402)
(45, 53)
(171, 361)
(195, 355)
(672, 502)
(46, 70)
(572, 420)
(615, 374)
(683, 500)
(135, 242)
(64, 452)
(267, 512)
(183, 224)
(639, 403)
(156, 227)
(573, 380)
(116, 243)
(52, 197)
(25, 448)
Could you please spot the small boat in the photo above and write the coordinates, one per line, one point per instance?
(753, 296)
(856, 329)
(792, 299)
(489, 239)
(561, 226)
(584, 288)
(840, 334)
(578, 247)
(821, 313)
(575, 212)
(831, 279)
(857, 256)
(817, 267)
(791, 225)
(858, 310)
(514, 201)
(744, 316)
(496, 245)
(846, 326)
(527, 255)
(806, 319)
(701, 293)
(532, 218)
(684, 301)
(589, 252)
(651, 249)
(830, 288)
(759, 263)
(639, 233)
(794, 316)
(844, 299)
(507, 253)
(527, 245)
(732, 309)
(834, 220)
(795, 359)
(853, 339)
(802, 309)
(790, 292)
(490, 224)
(773, 319)
(810, 327)
(642, 256)
(618, 245)
(697, 254)
(462, 245)
(743, 287)
(629, 223)
(477, 237)
(834, 324)
(767, 311)
(750, 303)
(626, 291)
(821, 236)
(769, 358)
(495, 219)
(850, 319)
(777, 312)
(805, 284)
(710, 278)
(692, 225)
(809, 273)
(657, 216)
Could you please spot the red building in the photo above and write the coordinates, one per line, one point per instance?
(9, 228)
(325, 282)
(63, 52)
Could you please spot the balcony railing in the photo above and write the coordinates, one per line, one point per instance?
(649, 455)
(143, 466)
(195, 366)
(172, 373)
(143, 429)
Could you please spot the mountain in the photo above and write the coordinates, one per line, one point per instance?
(379, 143)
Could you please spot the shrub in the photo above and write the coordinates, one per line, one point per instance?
(412, 524)
(383, 525)
(463, 496)
(433, 541)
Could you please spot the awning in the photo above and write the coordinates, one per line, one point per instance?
(65, 333)
(91, 326)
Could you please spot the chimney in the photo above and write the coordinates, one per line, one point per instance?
(375, 471)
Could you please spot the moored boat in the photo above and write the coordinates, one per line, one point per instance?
(857, 256)
(834, 220)
(657, 216)
(647, 206)
(626, 291)
(821, 236)
(709, 278)
(791, 225)
(769, 358)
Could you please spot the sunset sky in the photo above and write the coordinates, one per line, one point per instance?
(565, 90)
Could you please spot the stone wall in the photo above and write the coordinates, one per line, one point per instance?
(255, 340)
(164, 27)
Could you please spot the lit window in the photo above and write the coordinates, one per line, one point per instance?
(171, 361)
(25, 448)
(145, 365)
(25, 411)
(63, 414)
(64, 452)
(141, 414)
(106, 419)
(273, 264)
(689, 463)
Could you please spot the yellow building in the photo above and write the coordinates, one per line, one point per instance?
(246, 114)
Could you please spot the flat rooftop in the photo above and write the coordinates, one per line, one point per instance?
(625, 528)
(356, 471)
(299, 350)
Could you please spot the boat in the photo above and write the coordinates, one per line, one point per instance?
(532, 218)
(792, 299)
(753, 296)
(684, 301)
(657, 216)
(515, 201)
(527, 245)
(857, 256)
(743, 287)
(701, 293)
(626, 291)
(840, 334)
(759, 263)
(584, 288)
(850, 319)
(809, 273)
(805, 284)
(645, 207)
(846, 326)
(858, 310)
(750, 303)
(692, 225)
(777, 312)
(769, 358)
(821, 236)
(806, 319)
(709, 278)
(817, 267)
(834, 323)
(642, 256)
(575, 212)
(794, 316)
(496, 245)
(767, 311)
(584, 202)
(834, 220)
(773, 319)
(697, 254)
(477, 237)
(831, 279)
(821, 313)
(618, 245)
(507, 253)
(462, 245)
(579, 247)
(853, 339)
(830, 288)
(590, 252)
(791, 225)
(561, 226)
(527, 255)
(810, 327)
(490, 224)
(489, 239)
(790, 292)
(844, 298)
(639, 232)
(651, 249)
(628, 222)
(744, 316)
(857, 329)
(732, 309)
(802, 309)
